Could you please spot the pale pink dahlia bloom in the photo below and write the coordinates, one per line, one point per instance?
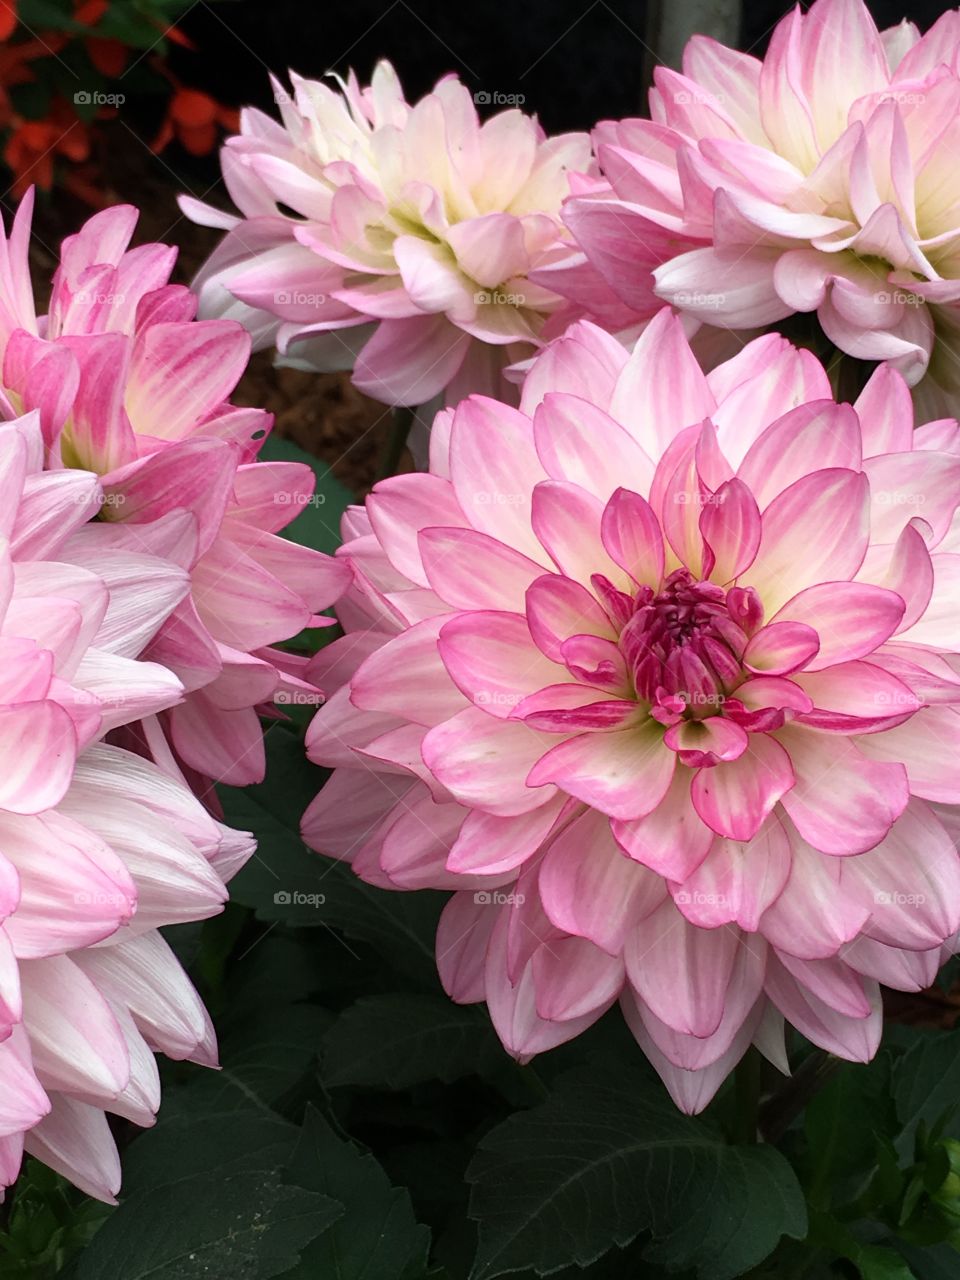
(659, 672)
(98, 847)
(130, 386)
(393, 239)
(822, 179)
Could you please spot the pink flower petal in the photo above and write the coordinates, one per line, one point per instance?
(683, 973)
(843, 802)
(624, 773)
(781, 647)
(492, 659)
(631, 534)
(485, 762)
(577, 441)
(814, 531)
(588, 888)
(671, 840)
(736, 883)
(734, 798)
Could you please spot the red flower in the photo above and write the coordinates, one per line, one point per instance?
(34, 144)
(8, 18)
(193, 119)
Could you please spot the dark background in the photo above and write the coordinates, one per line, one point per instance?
(575, 61)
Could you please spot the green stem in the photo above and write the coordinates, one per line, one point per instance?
(403, 417)
(781, 1110)
(747, 1079)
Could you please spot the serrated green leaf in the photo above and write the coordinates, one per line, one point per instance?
(245, 1225)
(378, 1237)
(201, 1136)
(609, 1156)
(398, 1040)
(271, 1056)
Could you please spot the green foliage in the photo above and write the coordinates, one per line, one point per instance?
(377, 1235)
(608, 1156)
(139, 26)
(395, 1041)
(47, 1222)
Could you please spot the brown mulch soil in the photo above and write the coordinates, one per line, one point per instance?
(930, 1008)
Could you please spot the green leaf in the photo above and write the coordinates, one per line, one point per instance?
(873, 1261)
(378, 1237)
(54, 15)
(245, 1225)
(932, 1262)
(204, 1194)
(270, 1057)
(279, 966)
(286, 882)
(926, 1086)
(877, 1263)
(318, 523)
(398, 1040)
(199, 1136)
(609, 1156)
(842, 1123)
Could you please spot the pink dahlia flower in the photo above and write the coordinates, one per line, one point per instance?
(659, 673)
(98, 847)
(128, 385)
(822, 179)
(412, 234)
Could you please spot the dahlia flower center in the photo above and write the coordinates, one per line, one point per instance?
(683, 644)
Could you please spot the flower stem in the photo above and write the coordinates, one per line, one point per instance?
(403, 416)
(746, 1084)
(785, 1105)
